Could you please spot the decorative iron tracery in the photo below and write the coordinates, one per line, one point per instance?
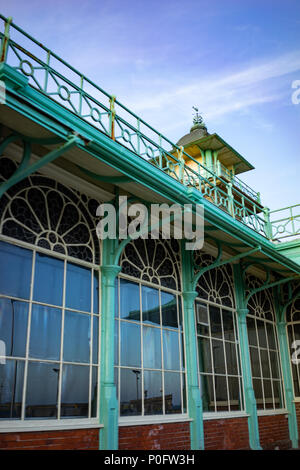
(215, 285)
(46, 213)
(153, 260)
(260, 303)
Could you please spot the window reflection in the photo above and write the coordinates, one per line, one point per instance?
(15, 274)
(172, 392)
(42, 390)
(129, 300)
(152, 347)
(45, 332)
(77, 336)
(11, 388)
(75, 391)
(130, 345)
(169, 310)
(49, 279)
(13, 326)
(78, 288)
(152, 393)
(150, 305)
(130, 393)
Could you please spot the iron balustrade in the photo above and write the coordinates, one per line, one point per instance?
(61, 82)
(288, 225)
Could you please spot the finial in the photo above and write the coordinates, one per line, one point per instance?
(198, 119)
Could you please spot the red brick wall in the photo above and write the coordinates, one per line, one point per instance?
(171, 436)
(226, 434)
(274, 432)
(51, 440)
(297, 405)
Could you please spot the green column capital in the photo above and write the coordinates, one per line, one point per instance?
(242, 313)
(109, 273)
(189, 296)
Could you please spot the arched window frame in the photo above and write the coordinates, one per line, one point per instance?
(141, 268)
(264, 350)
(216, 299)
(69, 254)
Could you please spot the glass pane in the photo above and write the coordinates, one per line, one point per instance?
(151, 347)
(130, 393)
(278, 394)
(234, 393)
(95, 339)
(77, 336)
(257, 386)
(129, 300)
(221, 393)
(228, 325)
(75, 391)
(255, 365)
(48, 280)
(231, 359)
(271, 336)
(262, 338)
(215, 321)
(94, 402)
(78, 287)
(172, 392)
(130, 345)
(45, 332)
(116, 343)
(274, 364)
(218, 357)
(13, 327)
(171, 350)
(207, 392)
(15, 275)
(204, 352)
(11, 388)
(202, 314)
(150, 305)
(42, 390)
(152, 393)
(169, 310)
(265, 363)
(268, 394)
(96, 292)
(251, 328)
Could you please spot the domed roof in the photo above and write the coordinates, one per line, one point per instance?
(198, 131)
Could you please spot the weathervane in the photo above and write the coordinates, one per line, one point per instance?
(198, 119)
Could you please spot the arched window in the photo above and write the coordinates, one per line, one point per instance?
(293, 328)
(49, 307)
(149, 368)
(264, 350)
(218, 342)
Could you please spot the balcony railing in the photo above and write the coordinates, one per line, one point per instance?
(285, 223)
(53, 77)
(225, 173)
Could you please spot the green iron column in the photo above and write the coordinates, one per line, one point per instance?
(286, 373)
(250, 401)
(193, 390)
(108, 438)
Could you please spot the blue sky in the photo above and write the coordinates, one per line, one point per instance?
(234, 59)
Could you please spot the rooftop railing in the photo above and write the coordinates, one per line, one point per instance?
(52, 76)
(286, 224)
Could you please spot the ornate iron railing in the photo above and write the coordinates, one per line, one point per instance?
(61, 82)
(288, 225)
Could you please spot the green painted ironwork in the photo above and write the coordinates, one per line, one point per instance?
(53, 77)
(250, 401)
(280, 308)
(189, 295)
(288, 223)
